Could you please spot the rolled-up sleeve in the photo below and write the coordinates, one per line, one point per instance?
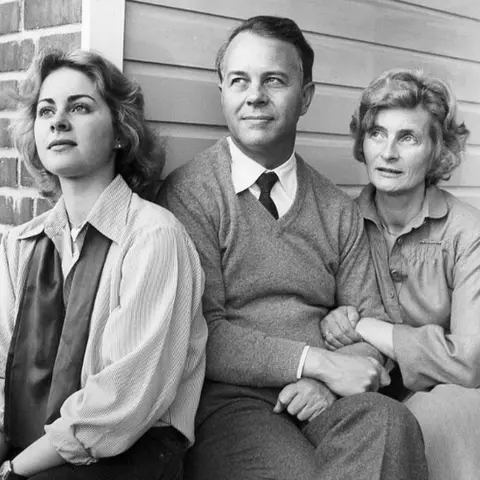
(143, 348)
(430, 354)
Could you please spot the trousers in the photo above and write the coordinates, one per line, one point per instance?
(363, 437)
(157, 455)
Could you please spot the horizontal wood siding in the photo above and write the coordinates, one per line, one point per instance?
(170, 48)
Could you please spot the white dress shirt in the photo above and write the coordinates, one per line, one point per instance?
(246, 171)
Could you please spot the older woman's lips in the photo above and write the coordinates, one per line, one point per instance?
(389, 172)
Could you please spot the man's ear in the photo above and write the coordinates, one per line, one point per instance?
(308, 91)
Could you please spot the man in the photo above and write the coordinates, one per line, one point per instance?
(281, 246)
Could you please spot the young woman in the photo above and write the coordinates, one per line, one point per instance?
(102, 338)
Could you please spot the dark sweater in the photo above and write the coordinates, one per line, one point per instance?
(270, 282)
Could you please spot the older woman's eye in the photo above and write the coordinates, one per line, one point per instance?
(409, 139)
(375, 134)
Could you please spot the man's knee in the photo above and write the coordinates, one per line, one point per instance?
(367, 416)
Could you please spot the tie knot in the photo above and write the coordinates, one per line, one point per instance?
(266, 181)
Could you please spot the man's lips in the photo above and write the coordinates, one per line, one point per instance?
(257, 118)
(61, 142)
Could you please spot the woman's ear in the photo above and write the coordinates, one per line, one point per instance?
(119, 143)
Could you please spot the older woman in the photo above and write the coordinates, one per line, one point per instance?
(102, 338)
(425, 245)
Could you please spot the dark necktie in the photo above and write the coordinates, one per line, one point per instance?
(266, 181)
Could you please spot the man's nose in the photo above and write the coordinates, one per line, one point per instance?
(256, 94)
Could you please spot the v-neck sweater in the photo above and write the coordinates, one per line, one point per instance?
(270, 282)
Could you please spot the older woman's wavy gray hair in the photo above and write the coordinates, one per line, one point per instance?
(402, 88)
(140, 159)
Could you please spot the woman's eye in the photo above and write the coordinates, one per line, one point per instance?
(80, 108)
(409, 139)
(44, 111)
(375, 134)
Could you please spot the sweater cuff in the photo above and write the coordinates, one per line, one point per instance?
(280, 365)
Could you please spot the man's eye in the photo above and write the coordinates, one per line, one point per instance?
(274, 81)
(238, 81)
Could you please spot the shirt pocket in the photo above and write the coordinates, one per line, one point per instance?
(426, 295)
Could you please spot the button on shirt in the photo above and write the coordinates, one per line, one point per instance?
(430, 286)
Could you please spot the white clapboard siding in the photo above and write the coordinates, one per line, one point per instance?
(170, 48)
(464, 8)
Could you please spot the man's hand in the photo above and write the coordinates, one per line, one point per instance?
(305, 399)
(338, 328)
(345, 375)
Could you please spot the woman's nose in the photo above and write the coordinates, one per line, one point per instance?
(59, 123)
(390, 151)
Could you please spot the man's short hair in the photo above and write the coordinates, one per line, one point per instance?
(280, 28)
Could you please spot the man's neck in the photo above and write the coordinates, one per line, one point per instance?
(268, 158)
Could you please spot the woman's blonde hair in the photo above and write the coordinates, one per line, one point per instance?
(139, 160)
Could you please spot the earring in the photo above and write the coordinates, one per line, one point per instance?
(118, 144)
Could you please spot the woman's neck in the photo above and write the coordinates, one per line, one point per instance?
(80, 194)
(396, 211)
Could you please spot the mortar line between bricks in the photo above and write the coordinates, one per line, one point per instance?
(8, 153)
(22, 15)
(13, 75)
(19, 192)
(41, 32)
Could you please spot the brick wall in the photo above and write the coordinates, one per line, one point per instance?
(26, 27)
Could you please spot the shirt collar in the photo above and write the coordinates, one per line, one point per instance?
(108, 215)
(434, 205)
(246, 171)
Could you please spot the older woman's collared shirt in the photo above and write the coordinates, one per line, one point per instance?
(144, 362)
(430, 286)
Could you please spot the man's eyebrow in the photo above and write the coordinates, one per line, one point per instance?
(71, 98)
(279, 73)
(236, 72)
